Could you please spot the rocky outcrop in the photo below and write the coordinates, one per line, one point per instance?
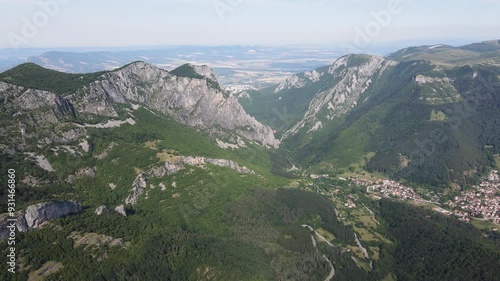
(103, 209)
(7, 225)
(170, 168)
(199, 161)
(437, 90)
(36, 117)
(299, 80)
(204, 70)
(86, 172)
(82, 173)
(138, 186)
(140, 182)
(121, 210)
(35, 215)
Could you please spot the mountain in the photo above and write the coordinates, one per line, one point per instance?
(445, 55)
(425, 114)
(154, 147)
(191, 98)
(139, 173)
(235, 65)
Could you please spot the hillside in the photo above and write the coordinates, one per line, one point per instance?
(448, 56)
(30, 75)
(161, 194)
(428, 114)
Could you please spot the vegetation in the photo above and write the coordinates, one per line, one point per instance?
(213, 223)
(439, 141)
(187, 70)
(32, 76)
(430, 246)
(284, 108)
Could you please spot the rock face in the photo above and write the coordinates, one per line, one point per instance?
(199, 161)
(46, 111)
(299, 80)
(5, 225)
(34, 215)
(352, 74)
(204, 71)
(37, 214)
(437, 90)
(195, 102)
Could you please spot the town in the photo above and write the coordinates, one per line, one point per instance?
(481, 202)
(388, 188)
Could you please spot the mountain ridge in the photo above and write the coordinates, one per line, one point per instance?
(195, 101)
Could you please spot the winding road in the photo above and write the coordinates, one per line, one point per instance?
(332, 271)
(363, 250)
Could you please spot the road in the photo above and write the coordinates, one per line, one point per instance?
(363, 250)
(332, 271)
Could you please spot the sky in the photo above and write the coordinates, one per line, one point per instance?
(356, 23)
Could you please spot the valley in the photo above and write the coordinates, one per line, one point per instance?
(370, 168)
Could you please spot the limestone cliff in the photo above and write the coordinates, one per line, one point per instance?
(352, 75)
(195, 101)
(35, 215)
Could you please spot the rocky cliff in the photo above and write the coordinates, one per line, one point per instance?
(299, 80)
(349, 77)
(192, 97)
(35, 215)
(195, 101)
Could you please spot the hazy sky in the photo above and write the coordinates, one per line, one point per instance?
(82, 23)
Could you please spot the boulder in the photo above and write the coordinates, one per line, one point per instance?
(121, 210)
(103, 209)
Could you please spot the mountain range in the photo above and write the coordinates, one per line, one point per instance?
(426, 114)
(140, 173)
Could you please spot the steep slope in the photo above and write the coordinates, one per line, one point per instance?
(305, 101)
(426, 114)
(352, 75)
(108, 146)
(195, 101)
(192, 101)
(416, 121)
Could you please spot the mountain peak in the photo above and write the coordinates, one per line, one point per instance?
(189, 94)
(194, 71)
(204, 70)
(135, 65)
(197, 72)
